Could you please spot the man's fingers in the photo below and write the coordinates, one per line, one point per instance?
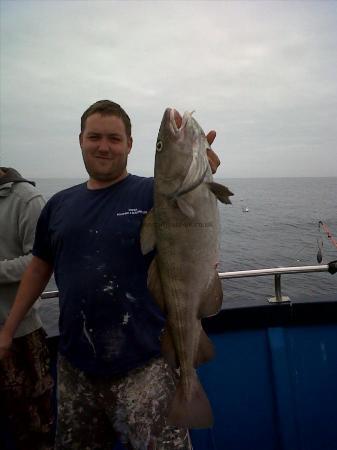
(5, 345)
(211, 136)
(213, 160)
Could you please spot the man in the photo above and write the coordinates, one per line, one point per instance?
(25, 381)
(112, 378)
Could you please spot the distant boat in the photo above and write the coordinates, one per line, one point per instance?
(245, 209)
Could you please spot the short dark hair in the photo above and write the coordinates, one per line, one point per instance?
(107, 108)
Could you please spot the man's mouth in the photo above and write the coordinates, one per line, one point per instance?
(107, 158)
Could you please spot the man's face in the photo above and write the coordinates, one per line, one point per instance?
(105, 148)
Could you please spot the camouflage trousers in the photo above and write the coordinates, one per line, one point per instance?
(26, 388)
(94, 412)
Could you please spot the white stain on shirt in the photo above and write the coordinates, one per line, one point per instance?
(130, 297)
(126, 319)
(110, 287)
(86, 332)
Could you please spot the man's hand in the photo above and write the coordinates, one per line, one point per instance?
(5, 344)
(213, 159)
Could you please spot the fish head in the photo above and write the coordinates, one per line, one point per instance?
(181, 156)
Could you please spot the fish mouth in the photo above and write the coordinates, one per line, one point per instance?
(177, 123)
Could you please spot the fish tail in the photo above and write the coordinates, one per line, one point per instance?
(190, 409)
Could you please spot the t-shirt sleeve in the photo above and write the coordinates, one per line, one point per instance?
(42, 247)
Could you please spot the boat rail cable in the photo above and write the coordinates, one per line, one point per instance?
(322, 225)
(331, 267)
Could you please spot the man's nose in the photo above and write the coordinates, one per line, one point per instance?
(103, 145)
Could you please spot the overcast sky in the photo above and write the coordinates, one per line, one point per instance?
(262, 74)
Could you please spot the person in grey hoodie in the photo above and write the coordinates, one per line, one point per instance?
(25, 381)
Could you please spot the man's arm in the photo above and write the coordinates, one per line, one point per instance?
(33, 282)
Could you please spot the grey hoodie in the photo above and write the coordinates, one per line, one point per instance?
(20, 207)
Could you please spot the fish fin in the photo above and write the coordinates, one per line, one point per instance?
(196, 173)
(221, 192)
(154, 284)
(167, 349)
(205, 350)
(212, 298)
(185, 208)
(190, 411)
(147, 233)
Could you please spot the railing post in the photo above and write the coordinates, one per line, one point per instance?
(278, 295)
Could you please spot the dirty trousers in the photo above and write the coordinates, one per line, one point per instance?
(94, 411)
(26, 388)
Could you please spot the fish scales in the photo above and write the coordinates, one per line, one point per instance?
(184, 228)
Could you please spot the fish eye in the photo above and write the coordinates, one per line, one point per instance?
(159, 146)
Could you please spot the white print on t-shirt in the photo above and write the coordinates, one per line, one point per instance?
(131, 211)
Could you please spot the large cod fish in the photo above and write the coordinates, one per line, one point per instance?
(184, 228)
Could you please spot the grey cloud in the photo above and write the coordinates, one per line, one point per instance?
(261, 73)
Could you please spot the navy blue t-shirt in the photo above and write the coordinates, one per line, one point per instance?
(109, 322)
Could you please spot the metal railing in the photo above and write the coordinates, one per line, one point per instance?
(276, 271)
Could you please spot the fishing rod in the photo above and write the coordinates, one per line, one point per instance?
(322, 225)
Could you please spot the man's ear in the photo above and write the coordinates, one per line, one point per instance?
(80, 139)
(130, 142)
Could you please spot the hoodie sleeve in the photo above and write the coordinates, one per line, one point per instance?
(11, 270)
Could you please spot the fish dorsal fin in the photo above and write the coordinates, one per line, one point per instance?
(185, 207)
(205, 349)
(221, 192)
(147, 233)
